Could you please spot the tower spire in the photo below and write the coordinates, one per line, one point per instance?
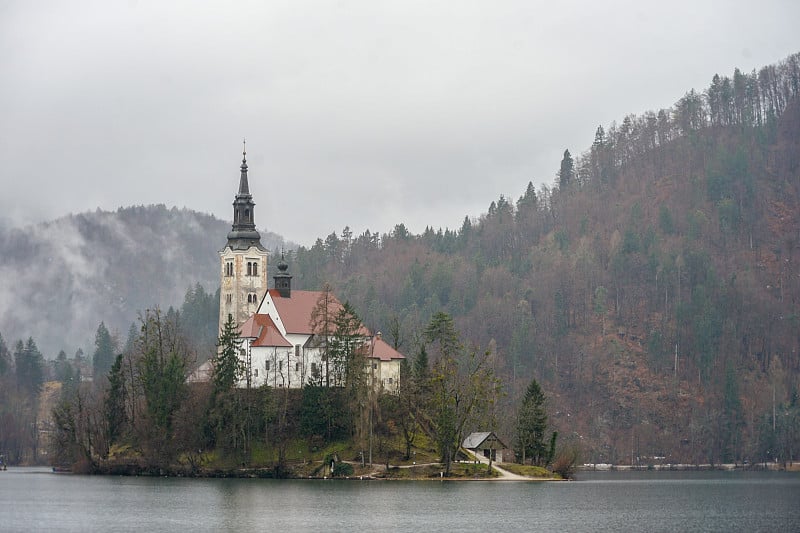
(283, 280)
(243, 234)
(244, 186)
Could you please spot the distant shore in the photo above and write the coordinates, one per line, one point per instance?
(676, 467)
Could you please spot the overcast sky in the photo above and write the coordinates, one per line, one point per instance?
(359, 113)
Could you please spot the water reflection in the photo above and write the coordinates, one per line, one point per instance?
(664, 501)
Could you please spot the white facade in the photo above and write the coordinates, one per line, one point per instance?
(279, 347)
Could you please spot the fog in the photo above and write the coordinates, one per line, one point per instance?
(360, 114)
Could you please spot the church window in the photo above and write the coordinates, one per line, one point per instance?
(229, 298)
(255, 268)
(247, 215)
(229, 268)
(249, 268)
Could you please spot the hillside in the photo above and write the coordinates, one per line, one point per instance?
(653, 289)
(59, 279)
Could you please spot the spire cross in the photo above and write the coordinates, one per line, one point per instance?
(244, 147)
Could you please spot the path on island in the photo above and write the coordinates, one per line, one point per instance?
(505, 475)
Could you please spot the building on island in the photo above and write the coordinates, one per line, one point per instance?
(279, 343)
(488, 445)
(283, 348)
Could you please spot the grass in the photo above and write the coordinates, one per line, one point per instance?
(529, 471)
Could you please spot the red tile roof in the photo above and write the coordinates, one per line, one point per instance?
(296, 311)
(264, 331)
(383, 351)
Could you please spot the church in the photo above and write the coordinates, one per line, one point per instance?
(279, 344)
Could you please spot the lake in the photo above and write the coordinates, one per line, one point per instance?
(33, 499)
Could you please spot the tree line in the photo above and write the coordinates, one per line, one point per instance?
(670, 237)
(145, 411)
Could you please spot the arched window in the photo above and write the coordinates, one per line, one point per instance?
(247, 215)
(255, 268)
(229, 268)
(249, 268)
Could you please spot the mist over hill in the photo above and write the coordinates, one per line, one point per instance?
(59, 279)
(653, 289)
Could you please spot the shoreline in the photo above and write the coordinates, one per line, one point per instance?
(687, 467)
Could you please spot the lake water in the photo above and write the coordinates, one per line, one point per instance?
(36, 500)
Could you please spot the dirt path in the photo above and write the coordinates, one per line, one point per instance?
(505, 475)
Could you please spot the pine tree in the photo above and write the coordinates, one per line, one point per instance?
(531, 425)
(567, 172)
(116, 415)
(103, 356)
(162, 356)
(228, 367)
(29, 365)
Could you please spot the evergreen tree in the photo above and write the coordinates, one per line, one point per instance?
(531, 426)
(115, 401)
(104, 353)
(567, 172)
(421, 367)
(63, 370)
(441, 334)
(29, 365)
(200, 315)
(228, 367)
(162, 356)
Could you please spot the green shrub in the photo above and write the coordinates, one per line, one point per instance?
(342, 470)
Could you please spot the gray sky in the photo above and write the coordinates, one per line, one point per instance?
(359, 113)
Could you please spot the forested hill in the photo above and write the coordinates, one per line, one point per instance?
(653, 289)
(60, 279)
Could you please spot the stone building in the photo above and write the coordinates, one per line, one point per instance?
(280, 345)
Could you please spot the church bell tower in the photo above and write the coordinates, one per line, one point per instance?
(243, 260)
